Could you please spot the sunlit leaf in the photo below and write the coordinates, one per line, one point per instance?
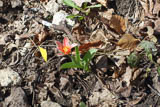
(148, 46)
(128, 41)
(71, 4)
(43, 53)
(82, 104)
(150, 57)
(75, 16)
(89, 55)
(70, 65)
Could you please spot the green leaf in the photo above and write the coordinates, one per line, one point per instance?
(75, 16)
(82, 104)
(94, 6)
(89, 55)
(150, 57)
(69, 65)
(80, 18)
(148, 46)
(78, 58)
(71, 4)
(72, 16)
(74, 59)
(133, 59)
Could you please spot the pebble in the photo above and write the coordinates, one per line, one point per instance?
(52, 6)
(61, 17)
(16, 3)
(1, 3)
(8, 77)
(49, 104)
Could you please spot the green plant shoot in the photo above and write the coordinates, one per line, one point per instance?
(84, 9)
(78, 62)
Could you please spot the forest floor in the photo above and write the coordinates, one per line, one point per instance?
(124, 71)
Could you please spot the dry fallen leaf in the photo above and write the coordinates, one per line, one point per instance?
(101, 98)
(156, 9)
(128, 42)
(136, 73)
(103, 2)
(125, 90)
(79, 33)
(40, 37)
(136, 101)
(150, 33)
(43, 53)
(85, 47)
(118, 24)
(157, 25)
(127, 76)
(107, 14)
(145, 5)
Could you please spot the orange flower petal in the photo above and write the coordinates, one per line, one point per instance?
(59, 45)
(66, 50)
(66, 41)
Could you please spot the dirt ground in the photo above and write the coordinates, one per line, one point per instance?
(112, 81)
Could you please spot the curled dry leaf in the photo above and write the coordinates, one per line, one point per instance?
(145, 5)
(40, 37)
(100, 35)
(128, 42)
(127, 76)
(118, 24)
(85, 47)
(156, 9)
(157, 25)
(79, 33)
(107, 14)
(136, 101)
(150, 33)
(103, 2)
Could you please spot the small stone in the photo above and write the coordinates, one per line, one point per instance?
(16, 3)
(60, 1)
(49, 104)
(1, 3)
(52, 7)
(8, 77)
(17, 98)
(61, 17)
(158, 60)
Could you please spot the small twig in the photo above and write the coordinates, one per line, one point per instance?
(154, 90)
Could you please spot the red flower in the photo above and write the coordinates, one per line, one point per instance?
(65, 48)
